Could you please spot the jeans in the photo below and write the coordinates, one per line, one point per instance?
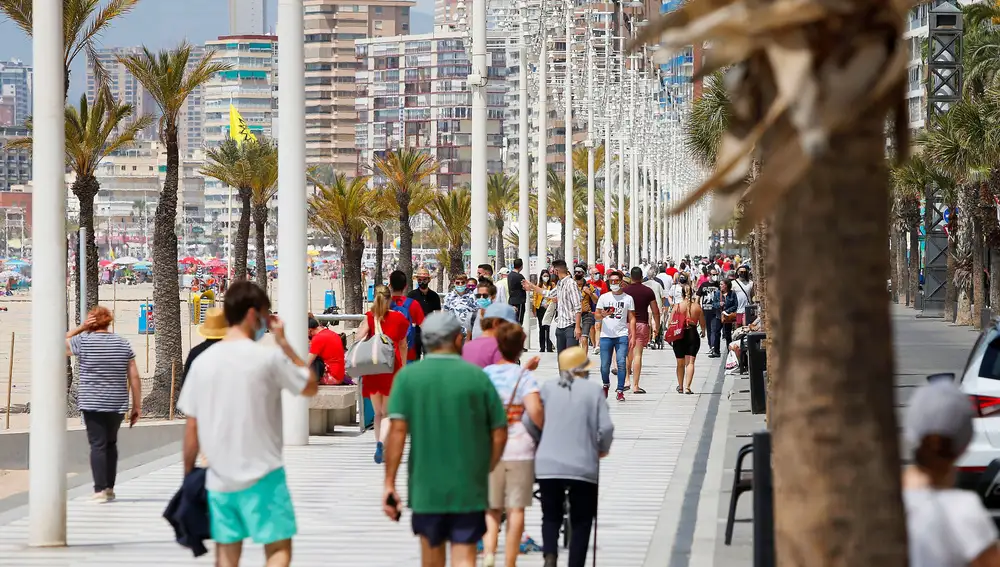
(565, 338)
(714, 320)
(102, 433)
(620, 346)
(727, 332)
(582, 511)
(519, 313)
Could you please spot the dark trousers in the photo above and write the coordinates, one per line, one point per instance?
(727, 332)
(544, 342)
(102, 433)
(714, 320)
(565, 338)
(582, 511)
(519, 312)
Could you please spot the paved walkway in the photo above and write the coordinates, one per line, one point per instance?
(337, 488)
(922, 347)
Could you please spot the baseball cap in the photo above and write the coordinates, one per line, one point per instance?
(939, 408)
(504, 270)
(313, 323)
(500, 311)
(440, 325)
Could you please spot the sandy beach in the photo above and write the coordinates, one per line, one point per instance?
(124, 300)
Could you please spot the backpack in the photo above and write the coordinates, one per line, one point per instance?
(404, 310)
(712, 300)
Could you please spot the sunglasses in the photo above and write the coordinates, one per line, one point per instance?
(482, 296)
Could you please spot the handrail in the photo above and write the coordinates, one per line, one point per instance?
(333, 318)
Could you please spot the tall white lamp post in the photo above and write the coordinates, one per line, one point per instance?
(47, 442)
(543, 135)
(477, 82)
(568, 121)
(294, 288)
(523, 162)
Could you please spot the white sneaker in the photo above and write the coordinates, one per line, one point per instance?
(489, 560)
(597, 350)
(100, 497)
(110, 493)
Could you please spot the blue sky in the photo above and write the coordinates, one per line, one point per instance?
(163, 23)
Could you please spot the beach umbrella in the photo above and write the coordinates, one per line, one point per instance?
(15, 263)
(189, 260)
(142, 265)
(4, 276)
(104, 263)
(214, 263)
(125, 261)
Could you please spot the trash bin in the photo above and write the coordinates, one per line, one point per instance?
(371, 293)
(329, 299)
(147, 323)
(757, 362)
(199, 305)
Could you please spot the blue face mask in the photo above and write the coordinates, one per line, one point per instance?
(459, 289)
(483, 303)
(262, 330)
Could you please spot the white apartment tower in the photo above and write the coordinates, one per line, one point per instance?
(247, 17)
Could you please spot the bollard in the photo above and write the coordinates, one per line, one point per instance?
(763, 501)
(173, 384)
(10, 380)
(757, 364)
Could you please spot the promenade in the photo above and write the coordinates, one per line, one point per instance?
(337, 488)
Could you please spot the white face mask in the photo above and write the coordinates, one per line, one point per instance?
(615, 288)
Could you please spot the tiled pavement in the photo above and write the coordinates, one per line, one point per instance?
(336, 489)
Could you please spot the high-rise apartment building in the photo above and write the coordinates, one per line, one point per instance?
(125, 88)
(15, 164)
(191, 130)
(248, 86)
(247, 17)
(413, 92)
(16, 81)
(331, 28)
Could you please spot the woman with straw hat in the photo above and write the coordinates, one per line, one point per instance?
(576, 434)
(213, 328)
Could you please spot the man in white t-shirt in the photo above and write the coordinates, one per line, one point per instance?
(744, 294)
(946, 527)
(615, 312)
(232, 399)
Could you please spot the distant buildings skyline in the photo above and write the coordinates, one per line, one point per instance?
(248, 17)
(16, 82)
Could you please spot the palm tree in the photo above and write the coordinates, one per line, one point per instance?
(580, 160)
(263, 188)
(233, 163)
(346, 208)
(405, 171)
(93, 132)
(556, 198)
(83, 22)
(501, 201)
(451, 212)
(836, 456)
(514, 238)
(708, 120)
(167, 79)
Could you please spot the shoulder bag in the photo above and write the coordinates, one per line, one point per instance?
(514, 416)
(675, 327)
(374, 355)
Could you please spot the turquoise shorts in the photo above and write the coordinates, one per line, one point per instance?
(262, 512)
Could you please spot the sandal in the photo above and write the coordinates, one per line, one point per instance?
(688, 391)
(638, 391)
(680, 390)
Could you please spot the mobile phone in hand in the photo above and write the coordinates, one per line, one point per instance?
(391, 501)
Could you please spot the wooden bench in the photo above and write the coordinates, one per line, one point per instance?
(333, 406)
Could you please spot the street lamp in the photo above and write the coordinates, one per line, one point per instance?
(477, 82)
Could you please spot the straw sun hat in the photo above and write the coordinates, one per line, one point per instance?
(214, 326)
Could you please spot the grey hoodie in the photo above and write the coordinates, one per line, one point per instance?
(577, 430)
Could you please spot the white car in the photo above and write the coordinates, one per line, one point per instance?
(981, 381)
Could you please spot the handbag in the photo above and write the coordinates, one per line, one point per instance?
(728, 318)
(514, 416)
(675, 327)
(374, 355)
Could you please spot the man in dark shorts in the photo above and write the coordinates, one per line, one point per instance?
(644, 299)
(588, 299)
(453, 449)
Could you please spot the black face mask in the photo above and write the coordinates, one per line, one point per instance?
(682, 281)
(422, 285)
(578, 276)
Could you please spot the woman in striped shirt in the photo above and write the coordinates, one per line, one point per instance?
(107, 369)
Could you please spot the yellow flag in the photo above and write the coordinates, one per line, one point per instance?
(238, 129)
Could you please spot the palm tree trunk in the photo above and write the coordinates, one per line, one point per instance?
(894, 274)
(379, 245)
(836, 457)
(405, 237)
(900, 285)
(914, 268)
(995, 280)
(354, 247)
(978, 267)
(260, 225)
(501, 257)
(456, 264)
(242, 243)
(950, 291)
(166, 288)
(86, 188)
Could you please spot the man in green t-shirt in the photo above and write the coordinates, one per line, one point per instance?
(458, 429)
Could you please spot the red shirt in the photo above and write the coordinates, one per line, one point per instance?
(599, 285)
(327, 346)
(726, 266)
(671, 271)
(416, 316)
(394, 326)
